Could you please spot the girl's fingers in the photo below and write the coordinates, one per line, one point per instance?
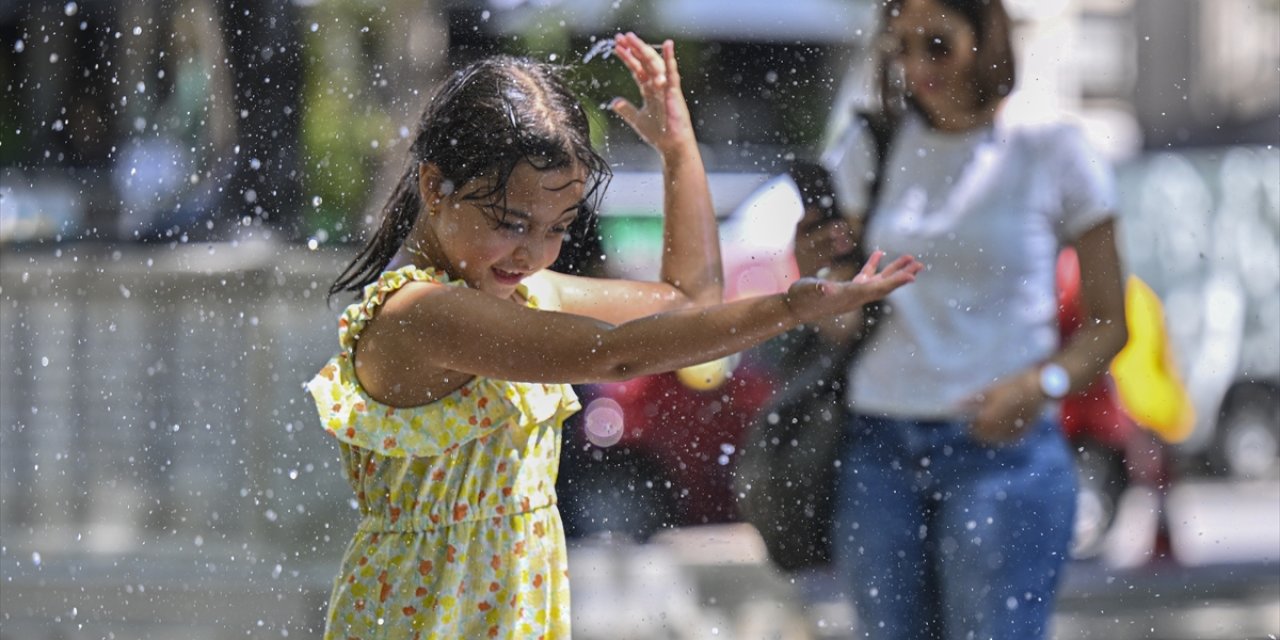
(653, 62)
(896, 265)
(673, 73)
(625, 110)
(869, 269)
(654, 65)
(905, 264)
(624, 52)
(647, 67)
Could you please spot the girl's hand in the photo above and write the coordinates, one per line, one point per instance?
(663, 118)
(812, 299)
(1006, 409)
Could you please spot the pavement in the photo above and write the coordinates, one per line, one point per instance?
(1210, 571)
(714, 582)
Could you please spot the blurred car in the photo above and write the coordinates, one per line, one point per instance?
(1202, 228)
(672, 463)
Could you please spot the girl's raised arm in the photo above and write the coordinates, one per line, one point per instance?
(691, 273)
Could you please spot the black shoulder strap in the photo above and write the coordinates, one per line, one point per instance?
(882, 129)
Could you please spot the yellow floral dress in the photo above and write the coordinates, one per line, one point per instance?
(460, 536)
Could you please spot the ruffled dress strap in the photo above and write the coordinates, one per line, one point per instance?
(479, 407)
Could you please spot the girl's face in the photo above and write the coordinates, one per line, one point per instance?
(535, 216)
(937, 50)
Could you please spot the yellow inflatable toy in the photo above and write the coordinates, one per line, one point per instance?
(708, 375)
(1144, 371)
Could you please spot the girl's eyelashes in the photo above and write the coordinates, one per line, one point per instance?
(520, 228)
(513, 227)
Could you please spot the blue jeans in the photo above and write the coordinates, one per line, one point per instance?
(939, 536)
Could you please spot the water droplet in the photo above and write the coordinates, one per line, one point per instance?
(604, 422)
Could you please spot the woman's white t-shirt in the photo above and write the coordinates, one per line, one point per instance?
(987, 211)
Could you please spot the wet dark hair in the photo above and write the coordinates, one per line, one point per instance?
(994, 69)
(485, 120)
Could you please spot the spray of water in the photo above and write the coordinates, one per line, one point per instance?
(603, 48)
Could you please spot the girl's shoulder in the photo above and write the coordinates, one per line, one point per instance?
(358, 314)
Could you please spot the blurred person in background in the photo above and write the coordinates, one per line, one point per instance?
(133, 99)
(260, 178)
(957, 490)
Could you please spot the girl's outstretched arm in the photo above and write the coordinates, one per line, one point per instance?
(691, 274)
(428, 332)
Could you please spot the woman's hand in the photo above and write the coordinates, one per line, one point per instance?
(821, 243)
(813, 299)
(663, 119)
(1006, 409)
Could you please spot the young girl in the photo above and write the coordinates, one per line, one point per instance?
(452, 383)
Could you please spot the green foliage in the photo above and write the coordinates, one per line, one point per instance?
(344, 130)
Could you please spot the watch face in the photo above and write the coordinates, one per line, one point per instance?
(1054, 381)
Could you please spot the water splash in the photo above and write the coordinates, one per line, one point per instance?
(603, 48)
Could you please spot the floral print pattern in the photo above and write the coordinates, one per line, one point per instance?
(460, 536)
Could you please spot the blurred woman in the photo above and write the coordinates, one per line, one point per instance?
(957, 489)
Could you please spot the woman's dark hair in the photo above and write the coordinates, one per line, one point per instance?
(485, 120)
(994, 70)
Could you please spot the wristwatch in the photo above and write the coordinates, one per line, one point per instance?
(1054, 380)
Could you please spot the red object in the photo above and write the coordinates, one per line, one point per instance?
(693, 435)
(1094, 412)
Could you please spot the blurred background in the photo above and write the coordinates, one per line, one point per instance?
(181, 180)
